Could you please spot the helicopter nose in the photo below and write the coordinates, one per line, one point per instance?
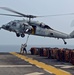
(5, 27)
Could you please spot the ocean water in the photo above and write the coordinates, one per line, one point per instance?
(16, 48)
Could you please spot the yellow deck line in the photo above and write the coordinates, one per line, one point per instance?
(49, 68)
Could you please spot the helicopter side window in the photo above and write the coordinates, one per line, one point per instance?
(42, 25)
(46, 26)
(14, 23)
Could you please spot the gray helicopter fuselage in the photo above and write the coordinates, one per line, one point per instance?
(22, 27)
(34, 28)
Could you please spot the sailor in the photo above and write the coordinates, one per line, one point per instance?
(24, 48)
(21, 49)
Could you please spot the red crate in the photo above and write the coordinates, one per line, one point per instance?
(72, 57)
(45, 52)
(67, 55)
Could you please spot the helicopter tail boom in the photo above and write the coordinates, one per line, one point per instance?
(72, 34)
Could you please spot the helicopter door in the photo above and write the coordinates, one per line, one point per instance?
(40, 31)
(33, 29)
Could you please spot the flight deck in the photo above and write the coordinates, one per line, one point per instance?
(17, 64)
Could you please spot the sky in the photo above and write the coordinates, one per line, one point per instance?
(39, 8)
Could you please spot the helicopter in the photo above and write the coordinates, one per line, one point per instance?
(22, 27)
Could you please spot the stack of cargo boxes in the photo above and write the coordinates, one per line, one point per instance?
(64, 54)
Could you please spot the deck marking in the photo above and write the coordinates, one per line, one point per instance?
(67, 67)
(64, 66)
(5, 66)
(48, 71)
(34, 73)
(49, 68)
(38, 66)
(64, 71)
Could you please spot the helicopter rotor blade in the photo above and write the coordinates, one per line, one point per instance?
(11, 15)
(38, 16)
(31, 16)
(8, 9)
(57, 15)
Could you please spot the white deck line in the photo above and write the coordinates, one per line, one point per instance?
(11, 66)
(34, 73)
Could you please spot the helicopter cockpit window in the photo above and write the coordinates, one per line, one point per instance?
(42, 24)
(9, 23)
(45, 26)
(14, 23)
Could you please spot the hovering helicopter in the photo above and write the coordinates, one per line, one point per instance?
(22, 27)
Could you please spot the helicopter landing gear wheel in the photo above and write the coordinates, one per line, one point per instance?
(17, 34)
(64, 42)
(22, 35)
